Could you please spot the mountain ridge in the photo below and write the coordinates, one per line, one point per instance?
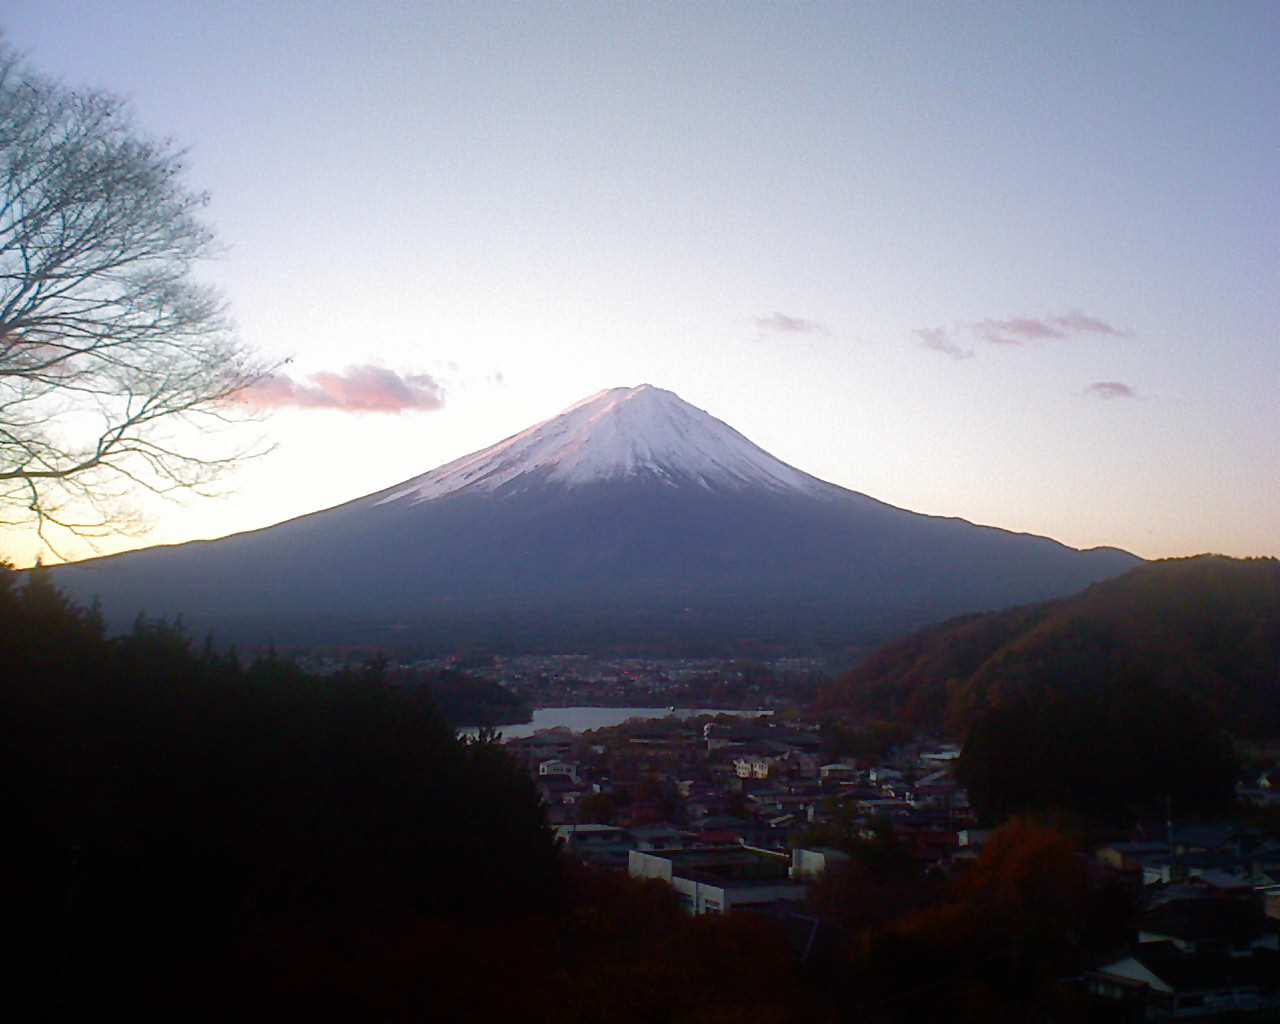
(635, 542)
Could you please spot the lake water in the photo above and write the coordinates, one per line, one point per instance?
(584, 718)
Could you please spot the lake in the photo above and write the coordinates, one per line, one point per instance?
(581, 719)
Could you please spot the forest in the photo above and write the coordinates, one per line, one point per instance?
(201, 837)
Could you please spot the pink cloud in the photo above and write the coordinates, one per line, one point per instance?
(1109, 389)
(372, 389)
(936, 339)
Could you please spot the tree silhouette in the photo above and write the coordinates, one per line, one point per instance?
(106, 342)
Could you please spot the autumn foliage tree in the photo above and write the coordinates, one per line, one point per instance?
(994, 946)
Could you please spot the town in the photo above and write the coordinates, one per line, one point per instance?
(748, 814)
(569, 680)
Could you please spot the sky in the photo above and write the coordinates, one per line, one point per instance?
(1017, 263)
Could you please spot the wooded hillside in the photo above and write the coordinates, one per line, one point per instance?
(1207, 626)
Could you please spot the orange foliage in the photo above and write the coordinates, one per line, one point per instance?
(1031, 868)
(993, 951)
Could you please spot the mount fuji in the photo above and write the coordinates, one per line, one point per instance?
(632, 520)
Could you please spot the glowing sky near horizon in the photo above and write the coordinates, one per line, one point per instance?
(1016, 263)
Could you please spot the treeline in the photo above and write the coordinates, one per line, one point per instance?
(166, 798)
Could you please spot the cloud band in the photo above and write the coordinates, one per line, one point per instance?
(358, 389)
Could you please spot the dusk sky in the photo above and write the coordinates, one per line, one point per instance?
(1018, 263)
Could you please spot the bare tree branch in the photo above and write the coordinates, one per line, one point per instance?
(107, 344)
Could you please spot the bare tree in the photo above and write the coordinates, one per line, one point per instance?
(109, 350)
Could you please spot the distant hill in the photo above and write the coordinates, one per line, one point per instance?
(1207, 626)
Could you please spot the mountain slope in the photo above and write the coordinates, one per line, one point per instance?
(1208, 626)
(633, 519)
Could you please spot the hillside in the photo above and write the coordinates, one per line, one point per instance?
(1207, 626)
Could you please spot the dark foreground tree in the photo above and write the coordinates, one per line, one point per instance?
(1135, 749)
(107, 344)
(165, 805)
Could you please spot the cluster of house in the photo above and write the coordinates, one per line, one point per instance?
(721, 811)
(575, 679)
(1208, 943)
(715, 808)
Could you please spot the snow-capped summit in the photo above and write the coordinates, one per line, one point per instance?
(616, 434)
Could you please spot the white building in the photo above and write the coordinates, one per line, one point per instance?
(718, 880)
(554, 766)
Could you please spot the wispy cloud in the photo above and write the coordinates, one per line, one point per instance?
(936, 339)
(1109, 389)
(781, 323)
(1079, 323)
(1016, 330)
(361, 389)
(1019, 330)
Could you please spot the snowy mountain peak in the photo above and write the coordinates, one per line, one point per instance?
(617, 434)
